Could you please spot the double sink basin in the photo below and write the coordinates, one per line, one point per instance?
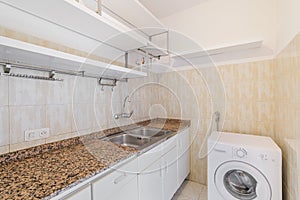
(140, 138)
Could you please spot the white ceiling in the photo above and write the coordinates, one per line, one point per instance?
(164, 8)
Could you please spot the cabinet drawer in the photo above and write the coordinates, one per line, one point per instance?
(149, 157)
(84, 193)
(105, 187)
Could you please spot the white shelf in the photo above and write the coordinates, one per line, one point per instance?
(18, 51)
(137, 14)
(77, 18)
(249, 52)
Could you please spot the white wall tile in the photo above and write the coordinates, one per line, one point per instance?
(60, 92)
(4, 126)
(24, 118)
(25, 145)
(100, 116)
(27, 91)
(82, 119)
(4, 149)
(83, 90)
(4, 91)
(59, 118)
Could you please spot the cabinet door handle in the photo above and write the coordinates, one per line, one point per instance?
(120, 178)
(160, 170)
(167, 167)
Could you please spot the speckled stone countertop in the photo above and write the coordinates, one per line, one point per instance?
(47, 170)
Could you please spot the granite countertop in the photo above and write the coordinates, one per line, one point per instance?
(47, 170)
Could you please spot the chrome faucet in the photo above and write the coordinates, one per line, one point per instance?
(124, 114)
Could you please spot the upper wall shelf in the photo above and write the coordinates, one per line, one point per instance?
(77, 18)
(17, 51)
(138, 15)
(219, 56)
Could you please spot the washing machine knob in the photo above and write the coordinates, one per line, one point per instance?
(241, 153)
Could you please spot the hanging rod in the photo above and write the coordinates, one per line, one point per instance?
(32, 76)
(151, 55)
(8, 65)
(7, 72)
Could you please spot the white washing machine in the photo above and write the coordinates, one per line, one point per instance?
(243, 167)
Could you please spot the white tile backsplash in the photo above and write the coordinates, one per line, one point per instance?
(83, 118)
(73, 107)
(60, 92)
(4, 126)
(4, 91)
(24, 118)
(27, 92)
(100, 115)
(82, 91)
(59, 118)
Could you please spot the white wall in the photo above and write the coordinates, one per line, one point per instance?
(288, 22)
(218, 23)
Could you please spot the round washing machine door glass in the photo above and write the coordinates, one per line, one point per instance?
(237, 180)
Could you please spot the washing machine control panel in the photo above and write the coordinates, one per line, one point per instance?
(239, 153)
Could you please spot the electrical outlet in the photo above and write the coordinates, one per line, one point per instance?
(36, 134)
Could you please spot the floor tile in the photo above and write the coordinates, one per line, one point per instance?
(191, 191)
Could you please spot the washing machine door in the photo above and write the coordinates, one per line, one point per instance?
(237, 180)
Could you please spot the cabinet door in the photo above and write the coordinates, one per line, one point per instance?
(150, 182)
(170, 174)
(81, 194)
(127, 192)
(120, 183)
(183, 146)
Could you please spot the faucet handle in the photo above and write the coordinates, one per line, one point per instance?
(130, 114)
(116, 116)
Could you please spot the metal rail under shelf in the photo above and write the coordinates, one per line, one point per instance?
(7, 66)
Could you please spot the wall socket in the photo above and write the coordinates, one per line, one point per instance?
(36, 134)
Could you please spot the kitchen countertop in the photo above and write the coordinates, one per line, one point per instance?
(47, 170)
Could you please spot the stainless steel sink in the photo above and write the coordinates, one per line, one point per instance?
(146, 132)
(140, 138)
(127, 140)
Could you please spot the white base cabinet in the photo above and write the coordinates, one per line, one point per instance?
(183, 154)
(150, 182)
(159, 180)
(153, 175)
(169, 174)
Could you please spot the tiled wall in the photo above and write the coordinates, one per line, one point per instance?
(70, 108)
(249, 103)
(261, 98)
(287, 116)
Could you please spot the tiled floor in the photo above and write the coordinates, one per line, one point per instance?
(191, 191)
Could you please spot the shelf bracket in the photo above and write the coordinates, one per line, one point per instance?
(99, 8)
(107, 82)
(126, 59)
(6, 68)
